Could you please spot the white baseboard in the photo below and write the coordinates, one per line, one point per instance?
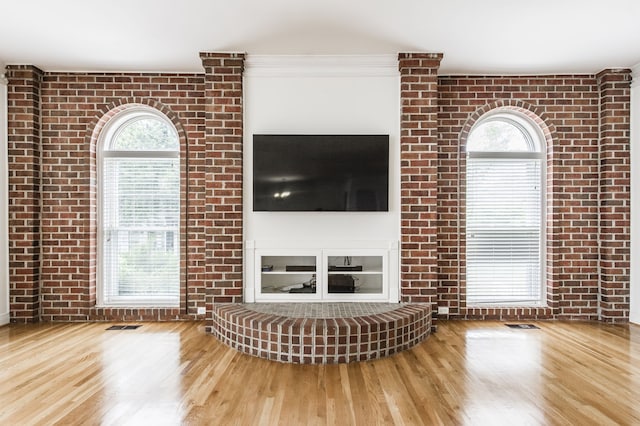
(4, 319)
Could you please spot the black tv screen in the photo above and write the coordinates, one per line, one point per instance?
(320, 172)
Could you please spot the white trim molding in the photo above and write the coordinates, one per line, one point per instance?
(634, 285)
(635, 76)
(321, 65)
(4, 203)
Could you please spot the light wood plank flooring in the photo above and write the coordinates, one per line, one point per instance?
(471, 373)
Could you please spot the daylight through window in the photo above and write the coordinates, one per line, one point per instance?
(140, 211)
(504, 214)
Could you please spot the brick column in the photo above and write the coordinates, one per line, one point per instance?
(223, 134)
(23, 143)
(615, 192)
(419, 173)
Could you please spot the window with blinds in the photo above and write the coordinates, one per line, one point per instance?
(504, 212)
(140, 212)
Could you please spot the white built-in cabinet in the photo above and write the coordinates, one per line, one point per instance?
(302, 274)
(4, 204)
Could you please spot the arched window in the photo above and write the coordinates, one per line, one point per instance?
(504, 211)
(139, 210)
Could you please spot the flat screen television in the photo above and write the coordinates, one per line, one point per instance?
(320, 173)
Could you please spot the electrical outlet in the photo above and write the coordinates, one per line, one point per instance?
(201, 310)
(443, 310)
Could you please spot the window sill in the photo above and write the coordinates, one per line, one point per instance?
(507, 305)
(138, 304)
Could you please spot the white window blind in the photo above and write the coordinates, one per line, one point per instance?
(141, 229)
(504, 214)
(504, 218)
(140, 213)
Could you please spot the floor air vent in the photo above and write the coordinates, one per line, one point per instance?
(523, 326)
(123, 327)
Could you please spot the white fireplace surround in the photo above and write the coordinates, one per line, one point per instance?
(344, 94)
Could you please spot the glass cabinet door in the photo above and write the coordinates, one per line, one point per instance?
(285, 278)
(285, 275)
(355, 277)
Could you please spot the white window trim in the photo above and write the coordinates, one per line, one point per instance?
(108, 133)
(533, 133)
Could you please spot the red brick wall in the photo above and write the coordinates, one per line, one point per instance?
(55, 119)
(23, 120)
(73, 107)
(224, 133)
(418, 176)
(568, 108)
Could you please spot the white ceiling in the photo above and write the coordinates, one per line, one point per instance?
(476, 36)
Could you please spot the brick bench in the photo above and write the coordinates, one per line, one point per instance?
(321, 333)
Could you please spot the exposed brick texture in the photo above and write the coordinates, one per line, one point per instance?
(223, 127)
(303, 340)
(73, 108)
(568, 109)
(418, 177)
(55, 121)
(615, 191)
(23, 110)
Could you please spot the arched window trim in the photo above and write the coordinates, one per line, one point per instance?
(107, 136)
(124, 119)
(530, 131)
(537, 144)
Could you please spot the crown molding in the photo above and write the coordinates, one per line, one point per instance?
(321, 65)
(3, 74)
(635, 76)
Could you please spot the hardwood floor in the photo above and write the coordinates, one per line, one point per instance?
(173, 373)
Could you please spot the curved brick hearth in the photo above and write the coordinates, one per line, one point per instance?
(321, 333)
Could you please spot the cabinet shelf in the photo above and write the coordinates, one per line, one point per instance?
(337, 275)
(371, 272)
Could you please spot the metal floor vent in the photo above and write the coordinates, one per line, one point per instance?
(123, 327)
(523, 326)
